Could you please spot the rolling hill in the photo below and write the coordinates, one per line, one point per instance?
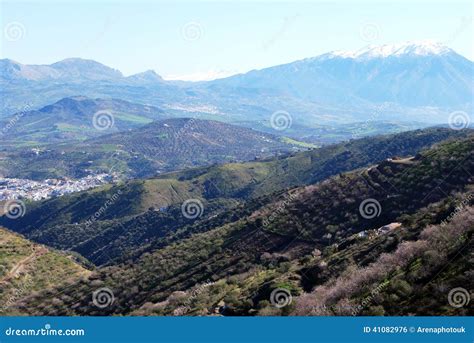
(161, 146)
(128, 226)
(307, 239)
(75, 118)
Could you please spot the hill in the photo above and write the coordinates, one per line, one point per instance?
(75, 118)
(26, 268)
(128, 225)
(303, 239)
(158, 147)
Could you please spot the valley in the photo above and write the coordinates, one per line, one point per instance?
(245, 259)
(297, 235)
(336, 185)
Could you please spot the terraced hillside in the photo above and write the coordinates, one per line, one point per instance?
(26, 268)
(308, 239)
(142, 215)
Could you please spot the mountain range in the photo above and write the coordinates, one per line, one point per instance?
(407, 82)
(408, 75)
(316, 183)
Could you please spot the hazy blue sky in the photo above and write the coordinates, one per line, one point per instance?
(198, 39)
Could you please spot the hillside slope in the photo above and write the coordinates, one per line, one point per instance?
(161, 146)
(234, 267)
(127, 226)
(75, 118)
(26, 267)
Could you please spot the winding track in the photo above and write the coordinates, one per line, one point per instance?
(20, 266)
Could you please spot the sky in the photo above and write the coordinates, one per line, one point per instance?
(204, 40)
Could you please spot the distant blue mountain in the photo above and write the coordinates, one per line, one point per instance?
(71, 69)
(410, 74)
(421, 82)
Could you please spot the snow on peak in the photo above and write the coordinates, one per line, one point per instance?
(424, 48)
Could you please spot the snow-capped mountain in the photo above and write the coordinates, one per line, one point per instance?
(414, 81)
(408, 74)
(424, 48)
